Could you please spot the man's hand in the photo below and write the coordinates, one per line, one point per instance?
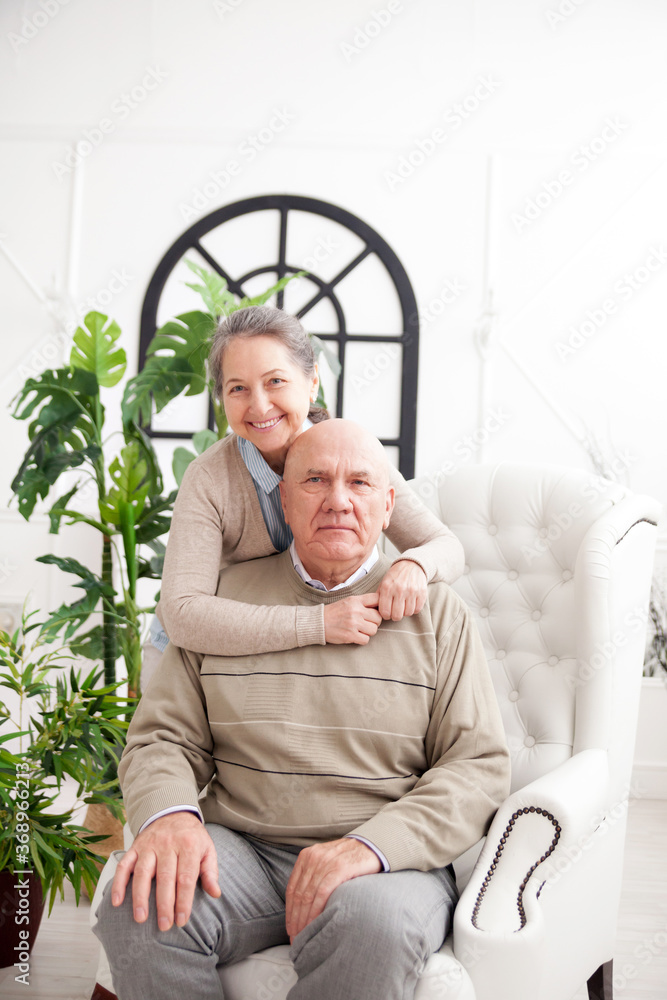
(318, 871)
(175, 850)
(354, 619)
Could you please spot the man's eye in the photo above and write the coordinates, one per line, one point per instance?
(359, 482)
(314, 479)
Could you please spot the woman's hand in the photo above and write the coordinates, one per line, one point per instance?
(402, 591)
(354, 619)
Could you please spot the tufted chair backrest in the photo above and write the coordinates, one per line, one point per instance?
(539, 544)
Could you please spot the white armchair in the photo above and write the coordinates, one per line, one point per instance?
(558, 574)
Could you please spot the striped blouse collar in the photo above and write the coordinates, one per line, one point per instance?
(257, 466)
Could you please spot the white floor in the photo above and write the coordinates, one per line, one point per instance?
(63, 964)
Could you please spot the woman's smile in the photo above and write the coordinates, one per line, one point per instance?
(266, 424)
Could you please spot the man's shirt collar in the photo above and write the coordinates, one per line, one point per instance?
(362, 571)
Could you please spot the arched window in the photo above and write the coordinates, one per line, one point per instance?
(356, 297)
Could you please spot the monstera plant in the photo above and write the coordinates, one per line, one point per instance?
(67, 442)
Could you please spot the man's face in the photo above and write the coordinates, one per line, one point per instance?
(336, 497)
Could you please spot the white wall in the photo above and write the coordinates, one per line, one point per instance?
(554, 82)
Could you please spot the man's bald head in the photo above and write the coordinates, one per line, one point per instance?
(336, 496)
(339, 437)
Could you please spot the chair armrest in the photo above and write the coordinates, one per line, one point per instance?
(499, 928)
(550, 814)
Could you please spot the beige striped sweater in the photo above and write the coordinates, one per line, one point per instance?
(399, 741)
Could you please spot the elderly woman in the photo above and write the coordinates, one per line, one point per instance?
(228, 507)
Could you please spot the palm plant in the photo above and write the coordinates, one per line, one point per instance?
(65, 725)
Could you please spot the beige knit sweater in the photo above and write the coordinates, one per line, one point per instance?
(217, 521)
(399, 741)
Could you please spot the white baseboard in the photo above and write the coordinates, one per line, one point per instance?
(649, 780)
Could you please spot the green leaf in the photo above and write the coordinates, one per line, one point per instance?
(59, 508)
(160, 380)
(180, 461)
(260, 300)
(63, 434)
(94, 349)
(154, 520)
(320, 347)
(72, 616)
(203, 440)
(188, 337)
(129, 473)
(213, 290)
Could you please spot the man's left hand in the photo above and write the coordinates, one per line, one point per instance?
(318, 871)
(402, 591)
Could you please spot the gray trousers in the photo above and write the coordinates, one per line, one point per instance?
(370, 942)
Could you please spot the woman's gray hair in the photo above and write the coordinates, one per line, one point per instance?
(264, 321)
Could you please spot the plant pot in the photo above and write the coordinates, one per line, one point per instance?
(21, 909)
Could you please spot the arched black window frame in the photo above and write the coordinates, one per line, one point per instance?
(373, 244)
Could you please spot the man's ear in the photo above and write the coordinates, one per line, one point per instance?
(281, 484)
(391, 497)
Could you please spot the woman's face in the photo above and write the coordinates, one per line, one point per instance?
(265, 394)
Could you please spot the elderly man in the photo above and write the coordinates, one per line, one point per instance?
(339, 782)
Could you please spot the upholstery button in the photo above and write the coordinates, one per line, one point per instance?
(493, 529)
(552, 661)
(529, 741)
(567, 574)
(513, 696)
(501, 654)
(512, 575)
(466, 569)
(543, 532)
(536, 615)
(483, 612)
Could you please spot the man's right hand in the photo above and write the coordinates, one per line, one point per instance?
(175, 850)
(352, 619)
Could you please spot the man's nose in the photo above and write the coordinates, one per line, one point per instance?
(338, 497)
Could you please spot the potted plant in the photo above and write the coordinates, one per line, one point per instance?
(66, 725)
